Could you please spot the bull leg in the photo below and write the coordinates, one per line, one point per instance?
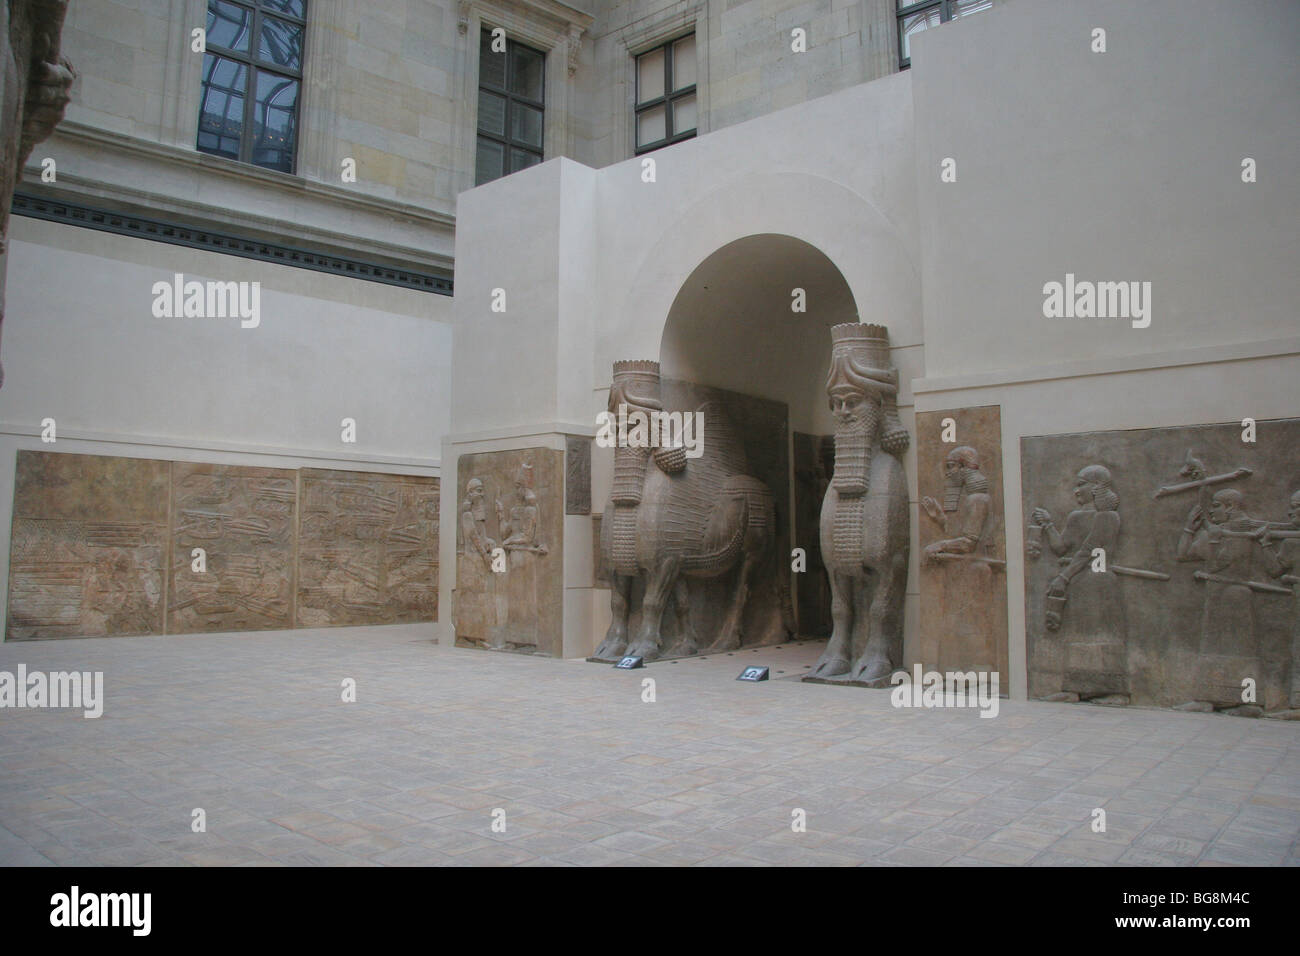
(883, 650)
(620, 599)
(659, 584)
(732, 628)
(687, 642)
(835, 659)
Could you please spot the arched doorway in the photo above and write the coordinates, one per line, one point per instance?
(753, 319)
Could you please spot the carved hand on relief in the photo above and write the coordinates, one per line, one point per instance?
(1195, 519)
(1057, 588)
(935, 512)
(1042, 517)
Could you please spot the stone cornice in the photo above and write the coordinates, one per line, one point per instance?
(428, 224)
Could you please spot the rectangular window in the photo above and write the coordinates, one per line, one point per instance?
(666, 104)
(252, 78)
(511, 108)
(915, 16)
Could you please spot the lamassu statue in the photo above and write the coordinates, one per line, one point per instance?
(864, 526)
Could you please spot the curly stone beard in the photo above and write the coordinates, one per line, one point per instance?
(853, 449)
(954, 484)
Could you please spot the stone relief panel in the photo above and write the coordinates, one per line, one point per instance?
(509, 551)
(1160, 568)
(577, 475)
(367, 548)
(963, 621)
(88, 546)
(814, 462)
(243, 518)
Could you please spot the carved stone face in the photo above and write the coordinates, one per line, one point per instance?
(1294, 511)
(1084, 490)
(474, 490)
(1222, 508)
(852, 407)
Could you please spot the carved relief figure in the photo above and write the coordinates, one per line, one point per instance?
(702, 518)
(1231, 545)
(864, 525)
(1084, 606)
(965, 514)
(473, 523)
(518, 527)
(964, 553)
(1284, 563)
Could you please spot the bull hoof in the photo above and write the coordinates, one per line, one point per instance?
(611, 649)
(686, 647)
(873, 673)
(644, 650)
(829, 667)
(724, 644)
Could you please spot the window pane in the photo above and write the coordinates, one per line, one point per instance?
(487, 165)
(522, 159)
(684, 62)
(221, 108)
(281, 43)
(684, 114)
(526, 72)
(962, 7)
(914, 24)
(491, 66)
(295, 8)
(651, 126)
(491, 113)
(275, 121)
(526, 125)
(228, 25)
(650, 75)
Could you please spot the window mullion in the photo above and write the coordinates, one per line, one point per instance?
(250, 92)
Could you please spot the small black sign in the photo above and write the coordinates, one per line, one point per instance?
(753, 673)
(630, 663)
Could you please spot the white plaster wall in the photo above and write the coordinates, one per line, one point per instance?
(1123, 165)
(82, 346)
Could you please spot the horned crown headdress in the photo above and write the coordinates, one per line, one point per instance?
(636, 383)
(860, 362)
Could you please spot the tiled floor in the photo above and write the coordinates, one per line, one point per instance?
(253, 730)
